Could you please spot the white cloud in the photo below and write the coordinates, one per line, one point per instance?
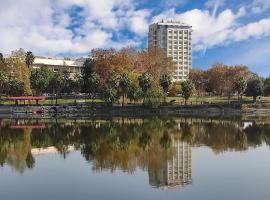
(259, 6)
(252, 30)
(211, 31)
(41, 25)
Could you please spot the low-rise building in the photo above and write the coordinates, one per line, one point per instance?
(72, 66)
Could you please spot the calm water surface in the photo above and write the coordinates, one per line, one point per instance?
(177, 158)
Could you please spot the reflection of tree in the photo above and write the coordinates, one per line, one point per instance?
(16, 151)
(145, 141)
(127, 143)
(165, 141)
(241, 140)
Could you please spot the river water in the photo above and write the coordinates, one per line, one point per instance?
(121, 158)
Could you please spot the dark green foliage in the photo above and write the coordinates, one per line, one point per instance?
(110, 95)
(134, 93)
(239, 86)
(29, 58)
(266, 87)
(3, 81)
(154, 97)
(187, 89)
(165, 82)
(144, 82)
(254, 88)
(92, 84)
(113, 81)
(124, 85)
(40, 79)
(15, 87)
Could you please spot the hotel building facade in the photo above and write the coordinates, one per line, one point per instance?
(175, 39)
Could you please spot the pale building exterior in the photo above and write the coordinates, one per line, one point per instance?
(176, 172)
(57, 64)
(175, 39)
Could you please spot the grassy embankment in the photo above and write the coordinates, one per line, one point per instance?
(263, 102)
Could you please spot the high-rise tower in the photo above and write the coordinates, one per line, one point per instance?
(174, 38)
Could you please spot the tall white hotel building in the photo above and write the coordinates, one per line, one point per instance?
(175, 39)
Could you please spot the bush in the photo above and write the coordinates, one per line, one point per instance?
(154, 97)
(175, 89)
(110, 95)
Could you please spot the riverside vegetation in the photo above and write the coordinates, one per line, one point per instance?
(130, 76)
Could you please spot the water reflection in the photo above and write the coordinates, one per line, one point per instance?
(175, 172)
(160, 146)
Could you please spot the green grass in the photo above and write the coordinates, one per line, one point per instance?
(264, 101)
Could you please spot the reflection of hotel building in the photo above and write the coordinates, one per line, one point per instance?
(176, 172)
(174, 38)
(55, 64)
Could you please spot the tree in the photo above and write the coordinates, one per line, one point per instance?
(3, 82)
(154, 97)
(165, 82)
(266, 87)
(40, 79)
(56, 84)
(200, 79)
(240, 85)
(19, 70)
(2, 62)
(113, 80)
(154, 62)
(124, 85)
(15, 87)
(29, 58)
(92, 84)
(76, 83)
(110, 95)
(134, 93)
(187, 89)
(254, 88)
(144, 83)
(107, 62)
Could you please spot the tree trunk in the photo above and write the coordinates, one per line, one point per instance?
(123, 100)
(254, 99)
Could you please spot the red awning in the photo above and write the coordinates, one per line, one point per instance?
(27, 98)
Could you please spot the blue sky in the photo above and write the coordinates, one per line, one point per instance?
(228, 31)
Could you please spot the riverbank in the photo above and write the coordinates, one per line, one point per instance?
(98, 110)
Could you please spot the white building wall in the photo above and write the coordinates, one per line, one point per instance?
(175, 39)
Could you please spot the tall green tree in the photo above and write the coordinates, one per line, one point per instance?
(266, 87)
(134, 93)
(124, 84)
(110, 95)
(40, 79)
(254, 88)
(92, 85)
(3, 82)
(29, 58)
(239, 86)
(144, 83)
(56, 85)
(15, 87)
(2, 62)
(187, 89)
(165, 82)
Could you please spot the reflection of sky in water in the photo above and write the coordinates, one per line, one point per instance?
(230, 175)
(217, 172)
